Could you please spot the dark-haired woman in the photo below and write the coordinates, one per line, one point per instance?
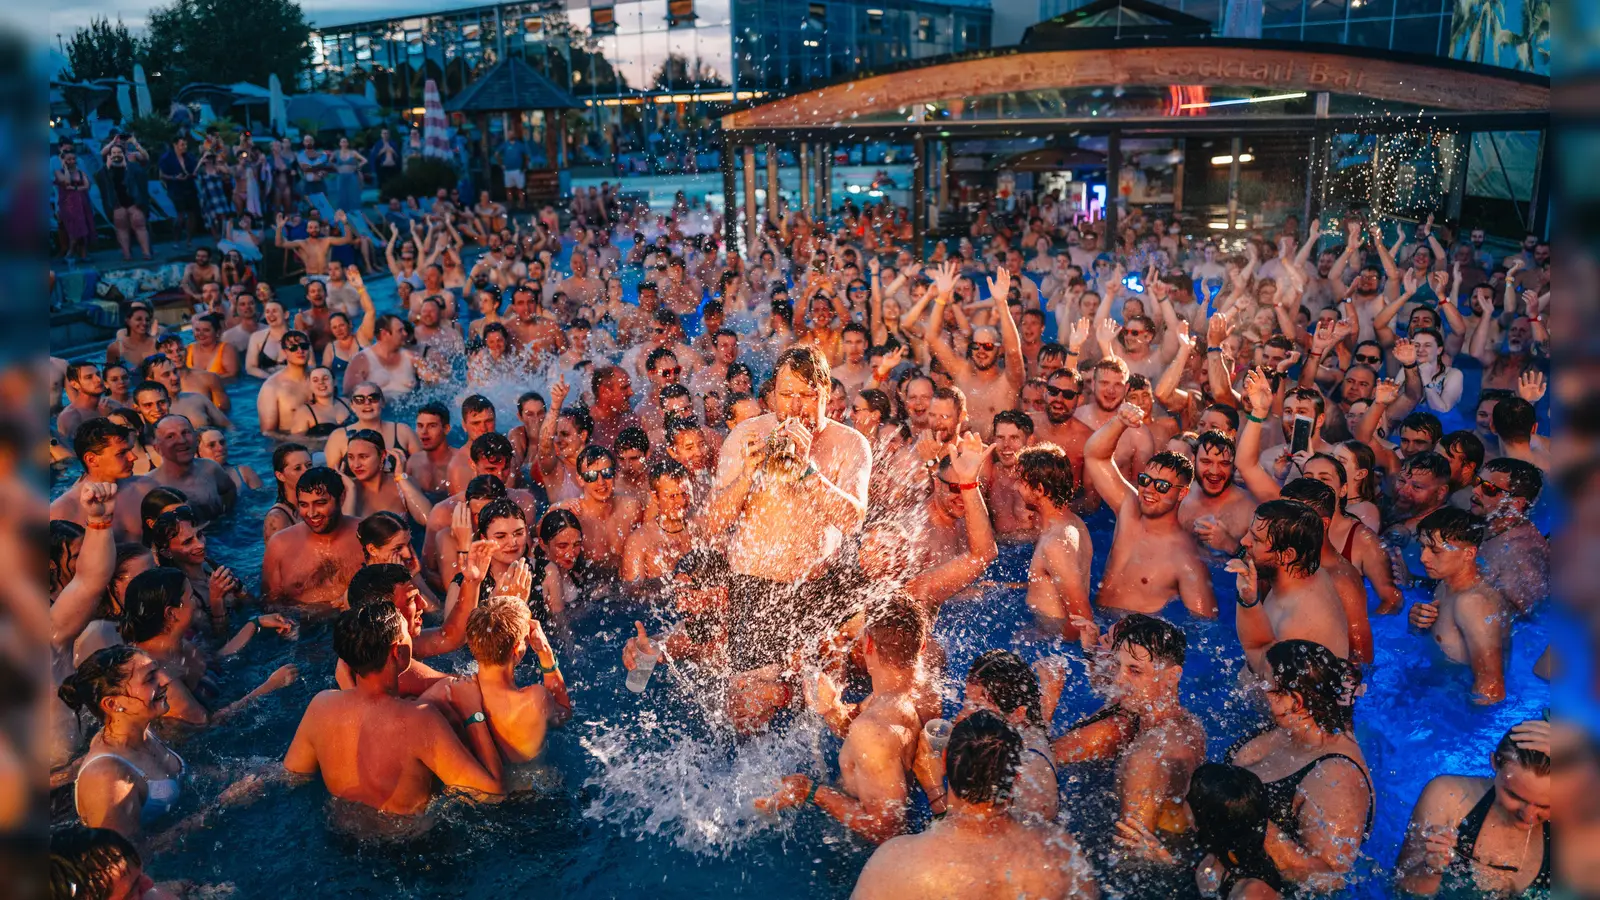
(158, 613)
(177, 541)
(129, 778)
(289, 462)
(1318, 791)
(386, 538)
(78, 582)
(1473, 836)
(1230, 823)
(558, 569)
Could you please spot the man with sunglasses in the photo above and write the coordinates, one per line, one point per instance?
(607, 518)
(989, 386)
(665, 334)
(1515, 556)
(1153, 557)
(287, 390)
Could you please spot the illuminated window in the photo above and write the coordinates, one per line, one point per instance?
(680, 14)
(602, 17)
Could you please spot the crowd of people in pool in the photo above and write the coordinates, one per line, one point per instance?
(806, 453)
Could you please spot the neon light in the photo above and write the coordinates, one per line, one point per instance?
(1270, 99)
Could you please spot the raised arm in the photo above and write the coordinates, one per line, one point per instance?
(1010, 339)
(1352, 245)
(75, 607)
(1098, 457)
(943, 581)
(1410, 284)
(1167, 390)
(1258, 397)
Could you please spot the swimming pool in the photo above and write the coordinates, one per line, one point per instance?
(640, 793)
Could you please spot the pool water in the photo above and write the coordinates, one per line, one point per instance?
(645, 793)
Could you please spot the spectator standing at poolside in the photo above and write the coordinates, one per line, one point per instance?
(177, 169)
(385, 158)
(513, 156)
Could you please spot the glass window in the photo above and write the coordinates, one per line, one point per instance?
(1421, 7)
(1419, 35)
(1281, 12)
(925, 30)
(714, 44)
(1325, 11)
(1370, 33)
(1371, 9)
(1281, 33)
(1210, 10)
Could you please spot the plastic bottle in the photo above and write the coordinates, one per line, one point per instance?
(639, 676)
(937, 732)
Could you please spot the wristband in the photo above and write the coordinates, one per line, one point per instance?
(102, 525)
(477, 718)
(550, 670)
(1254, 418)
(253, 620)
(1072, 353)
(811, 795)
(1244, 605)
(401, 476)
(967, 487)
(1409, 365)
(1213, 349)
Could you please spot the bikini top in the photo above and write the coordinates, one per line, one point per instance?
(1349, 543)
(1279, 794)
(321, 429)
(1263, 870)
(265, 360)
(214, 367)
(1467, 843)
(160, 793)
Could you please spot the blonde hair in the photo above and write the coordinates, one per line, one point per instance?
(496, 629)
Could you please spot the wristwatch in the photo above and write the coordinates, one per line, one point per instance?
(477, 717)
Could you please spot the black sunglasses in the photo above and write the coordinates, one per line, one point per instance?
(594, 475)
(669, 373)
(292, 346)
(1162, 484)
(365, 398)
(1490, 488)
(1368, 360)
(1068, 393)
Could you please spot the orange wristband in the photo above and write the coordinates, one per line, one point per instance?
(98, 526)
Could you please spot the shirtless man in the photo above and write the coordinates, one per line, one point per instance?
(989, 388)
(853, 371)
(499, 633)
(371, 746)
(368, 462)
(656, 546)
(447, 537)
(1013, 519)
(1468, 620)
(310, 563)
(1059, 425)
(979, 850)
(198, 381)
(314, 249)
(477, 419)
(686, 445)
(1153, 557)
(429, 468)
(1058, 576)
(84, 402)
(394, 585)
(1220, 512)
(790, 487)
(607, 519)
(1283, 592)
(580, 286)
(1156, 742)
(1515, 556)
(197, 408)
(208, 486)
(1108, 390)
(880, 738)
(539, 335)
(313, 320)
(198, 274)
(105, 450)
(1347, 579)
(288, 390)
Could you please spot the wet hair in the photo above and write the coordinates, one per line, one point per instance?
(1311, 395)
(1514, 419)
(657, 355)
(1053, 350)
(1365, 459)
(897, 630)
(1312, 493)
(666, 468)
(1508, 751)
(63, 534)
(674, 391)
(579, 417)
(1425, 422)
(1164, 642)
(370, 435)
(1230, 816)
(475, 403)
(95, 435)
(1177, 463)
(437, 410)
(1454, 526)
(1292, 525)
(1108, 364)
(1525, 479)
(1325, 684)
(89, 861)
(1046, 468)
(677, 425)
(491, 445)
(363, 635)
(146, 601)
(380, 528)
(375, 583)
(1229, 412)
(101, 675)
(1137, 382)
(485, 487)
(593, 453)
(878, 402)
(497, 630)
(632, 438)
(501, 508)
(807, 363)
(1215, 440)
(1470, 445)
(1428, 461)
(556, 521)
(321, 480)
(982, 759)
(1009, 682)
(165, 528)
(152, 505)
(1022, 421)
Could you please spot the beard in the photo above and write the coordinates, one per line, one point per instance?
(983, 366)
(1056, 415)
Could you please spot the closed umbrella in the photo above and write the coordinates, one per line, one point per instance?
(124, 102)
(141, 89)
(435, 140)
(372, 91)
(277, 109)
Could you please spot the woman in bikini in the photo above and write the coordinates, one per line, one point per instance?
(214, 446)
(208, 352)
(326, 411)
(289, 462)
(137, 338)
(264, 354)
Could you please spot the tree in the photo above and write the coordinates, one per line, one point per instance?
(102, 50)
(223, 41)
(677, 74)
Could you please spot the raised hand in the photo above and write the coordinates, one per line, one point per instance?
(1217, 329)
(968, 457)
(461, 525)
(1245, 577)
(1405, 352)
(1258, 392)
(1000, 285)
(1531, 385)
(1131, 416)
(519, 581)
(1324, 338)
(1533, 734)
(1106, 332)
(890, 360)
(1439, 281)
(1079, 335)
(1410, 281)
(538, 643)
(944, 280)
(98, 500)
(475, 567)
(873, 265)
(559, 392)
(1185, 340)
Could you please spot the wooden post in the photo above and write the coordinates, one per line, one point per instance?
(730, 193)
(1108, 239)
(919, 196)
(772, 182)
(750, 221)
(805, 178)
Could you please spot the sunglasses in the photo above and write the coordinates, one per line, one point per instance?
(365, 398)
(1368, 360)
(1490, 488)
(985, 346)
(950, 486)
(1068, 393)
(594, 475)
(292, 346)
(670, 373)
(1162, 484)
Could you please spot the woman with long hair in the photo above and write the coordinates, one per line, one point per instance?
(289, 462)
(326, 410)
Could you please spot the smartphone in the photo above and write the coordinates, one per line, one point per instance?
(1301, 437)
(388, 464)
(1134, 283)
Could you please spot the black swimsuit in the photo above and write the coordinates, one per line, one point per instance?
(1262, 870)
(1279, 794)
(321, 429)
(1467, 843)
